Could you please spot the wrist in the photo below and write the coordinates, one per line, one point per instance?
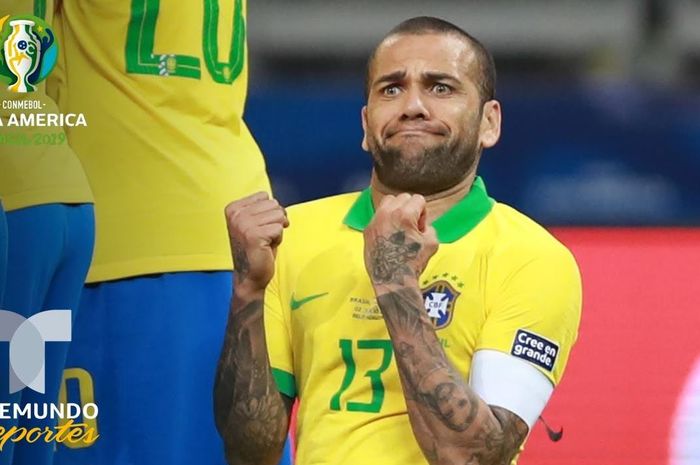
(408, 282)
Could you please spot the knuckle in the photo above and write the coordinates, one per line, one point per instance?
(235, 216)
(229, 208)
(248, 234)
(387, 199)
(418, 200)
(232, 208)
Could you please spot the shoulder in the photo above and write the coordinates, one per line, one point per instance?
(522, 239)
(523, 253)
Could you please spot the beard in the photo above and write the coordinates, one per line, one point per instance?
(433, 169)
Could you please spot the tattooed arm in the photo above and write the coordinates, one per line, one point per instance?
(251, 415)
(451, 423)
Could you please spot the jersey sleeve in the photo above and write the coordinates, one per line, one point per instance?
(278, 337)
(534, 310)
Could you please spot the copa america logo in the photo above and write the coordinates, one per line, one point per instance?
(27, 337)
(29, 52)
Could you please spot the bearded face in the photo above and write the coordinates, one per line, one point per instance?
(421, 167)
(425, 122)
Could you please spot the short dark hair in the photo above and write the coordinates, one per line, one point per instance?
(486, 68)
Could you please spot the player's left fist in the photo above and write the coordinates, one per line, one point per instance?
(398, 241)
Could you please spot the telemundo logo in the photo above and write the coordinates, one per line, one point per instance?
(29, 52)
(27, 338)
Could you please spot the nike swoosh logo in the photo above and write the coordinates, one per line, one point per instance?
(295, 304)
(554, 436)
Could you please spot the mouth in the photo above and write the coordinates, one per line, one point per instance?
(414, 132)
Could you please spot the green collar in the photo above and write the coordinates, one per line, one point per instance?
(454, 224)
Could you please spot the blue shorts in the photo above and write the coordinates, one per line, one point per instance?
(147, 349)
(48, 255)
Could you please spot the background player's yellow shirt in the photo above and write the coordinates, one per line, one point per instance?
(497, 276)
(162, 84)
(45, 170)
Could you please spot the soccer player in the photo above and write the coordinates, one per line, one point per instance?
(418, 321)
(50, 237)
(163, 86)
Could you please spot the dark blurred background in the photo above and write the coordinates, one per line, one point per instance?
(601, 101)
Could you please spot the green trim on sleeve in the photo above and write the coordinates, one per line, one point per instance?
(285, 382)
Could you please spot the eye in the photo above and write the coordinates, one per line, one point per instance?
(442, 89)
(391, 90)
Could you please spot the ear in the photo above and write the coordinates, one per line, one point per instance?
(365, 147)
(490, 129)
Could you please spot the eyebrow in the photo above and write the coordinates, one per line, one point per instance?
(391, 77)
(430, 76)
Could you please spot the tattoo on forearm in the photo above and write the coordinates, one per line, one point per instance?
(249, 411)
(390, 256)
(451, 423)
(240, 260)
(497, 441)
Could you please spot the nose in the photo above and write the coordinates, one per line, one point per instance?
(415, 106)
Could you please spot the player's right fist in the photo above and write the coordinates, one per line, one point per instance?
(255, 225)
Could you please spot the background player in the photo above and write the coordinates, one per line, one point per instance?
(50, 227)
(163, 86)
(376, 333)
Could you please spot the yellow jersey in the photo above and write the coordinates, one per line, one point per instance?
(162, 84)
(496, 277)
(37, 166)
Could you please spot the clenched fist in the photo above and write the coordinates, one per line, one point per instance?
(398, 242)
(255, 224)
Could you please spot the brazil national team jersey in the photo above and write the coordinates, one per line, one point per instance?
(37, 166)
(498, 281)
(162, 84)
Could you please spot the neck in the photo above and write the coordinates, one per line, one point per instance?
(436, 204)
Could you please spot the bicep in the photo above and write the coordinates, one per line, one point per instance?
(534, 313)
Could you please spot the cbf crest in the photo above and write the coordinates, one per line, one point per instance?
(440, 298)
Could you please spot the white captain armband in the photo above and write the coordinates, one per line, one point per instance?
(503, 380)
